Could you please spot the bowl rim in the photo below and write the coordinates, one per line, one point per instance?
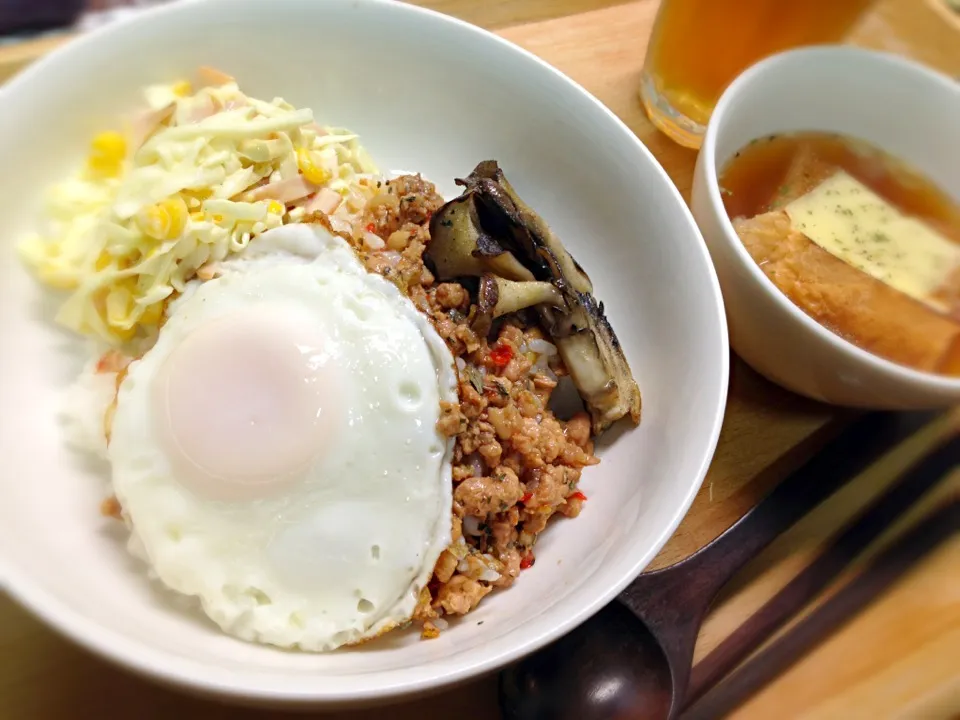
(772, 65)
(147, 661)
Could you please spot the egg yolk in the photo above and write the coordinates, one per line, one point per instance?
(245, 404)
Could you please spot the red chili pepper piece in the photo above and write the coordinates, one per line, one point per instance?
(578, 495)
(526, 498)
(370, 227)
(501, 355)
(527, 561)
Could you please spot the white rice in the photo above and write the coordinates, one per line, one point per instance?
(84, 408)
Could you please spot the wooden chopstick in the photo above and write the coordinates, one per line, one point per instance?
(838, 553)
(879, 575)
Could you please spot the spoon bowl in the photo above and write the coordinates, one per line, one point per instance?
(623, 674)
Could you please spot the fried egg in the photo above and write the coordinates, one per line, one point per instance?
(276, 453)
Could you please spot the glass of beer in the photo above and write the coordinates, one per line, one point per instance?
(698, 47)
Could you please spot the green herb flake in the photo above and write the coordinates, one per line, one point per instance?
(475, 378)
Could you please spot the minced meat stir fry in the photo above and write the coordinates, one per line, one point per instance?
(514, 464)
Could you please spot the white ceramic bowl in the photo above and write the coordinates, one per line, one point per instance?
(905, 108)
(427, 93)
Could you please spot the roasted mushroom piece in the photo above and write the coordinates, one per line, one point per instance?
(497, 296)
(460, 247)
(489, 230)
(514, 224)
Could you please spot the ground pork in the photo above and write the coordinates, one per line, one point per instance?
(497, 492)
(515, 464)
(461, 594)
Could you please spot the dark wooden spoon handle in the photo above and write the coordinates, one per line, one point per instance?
(886, 569)
(840, 462)
(839, 552)
(709, 569)
(672, 602)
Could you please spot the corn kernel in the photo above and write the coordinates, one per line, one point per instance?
(117, 308)
(165, 220)
(107, 151)
(110, 144)
(182, 88)
(152, 315)
(195, 196)
(276, 208)
(177, 209)
(103, 261)
(154, 221)
(124, 334)
(314, 173)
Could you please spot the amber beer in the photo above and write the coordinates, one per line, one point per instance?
(699, 46)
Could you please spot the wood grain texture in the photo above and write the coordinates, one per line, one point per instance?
(497, 14)
(898, 659)
(13, 58)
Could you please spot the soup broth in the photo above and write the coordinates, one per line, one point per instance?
(859, 240)
(757, 178)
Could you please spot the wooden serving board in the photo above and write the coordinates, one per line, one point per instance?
(899, 658)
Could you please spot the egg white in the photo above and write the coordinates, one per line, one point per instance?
(340, 556)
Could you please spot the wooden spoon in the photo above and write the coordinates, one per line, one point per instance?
(614, 668)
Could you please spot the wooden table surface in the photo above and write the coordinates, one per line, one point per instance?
(899, 658)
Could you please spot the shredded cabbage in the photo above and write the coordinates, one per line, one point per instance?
(194, 178)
